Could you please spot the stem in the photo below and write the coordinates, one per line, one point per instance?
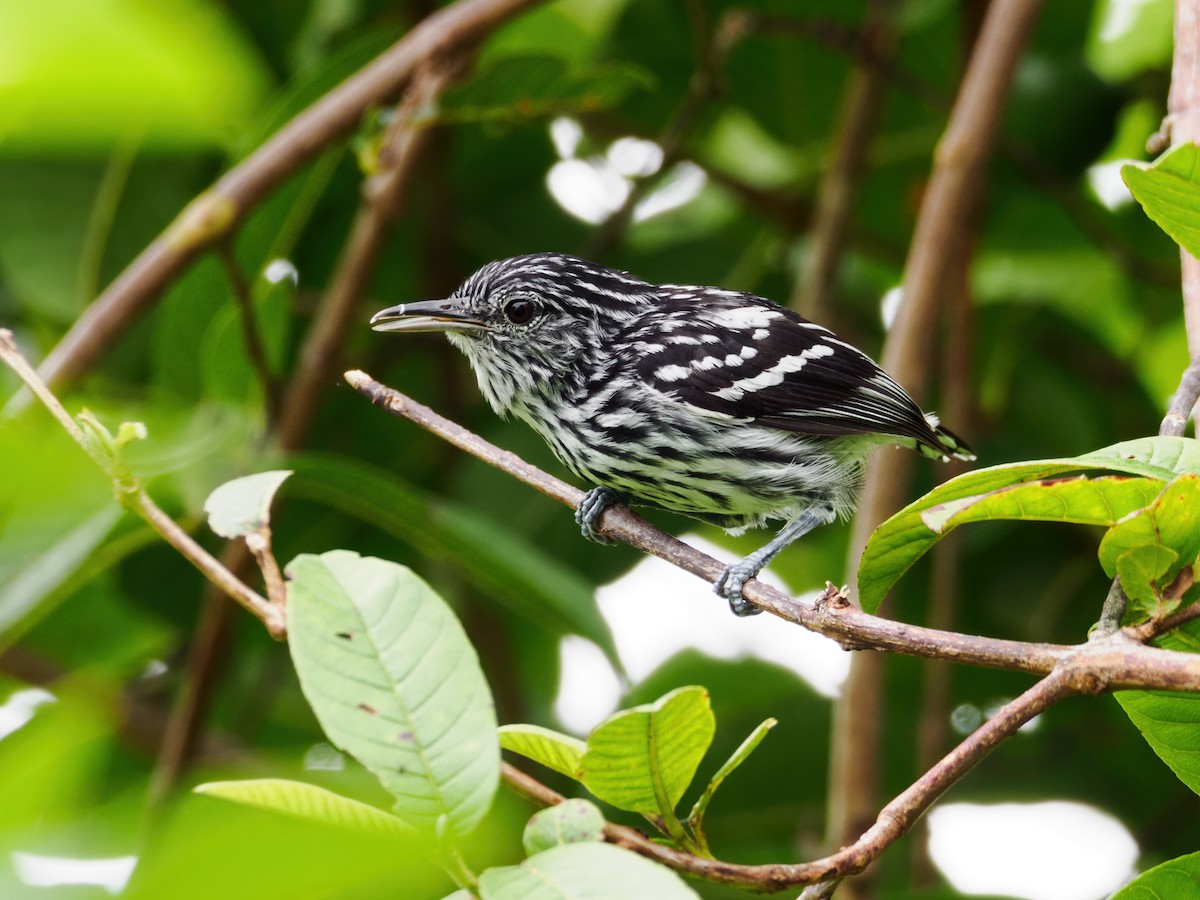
(134, 496)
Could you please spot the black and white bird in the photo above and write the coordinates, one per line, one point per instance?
(716, 404)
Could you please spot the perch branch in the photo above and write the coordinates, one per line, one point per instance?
(1119, 660)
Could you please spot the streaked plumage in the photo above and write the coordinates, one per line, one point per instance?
(717, 404)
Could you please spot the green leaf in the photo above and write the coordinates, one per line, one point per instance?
(243, 506)
(309, 803)
(559, 752)
(1170, 723)
(527, 580)
(394, 681)
(569, 822)
(1142, 570)
(643, 759)
(518, 88)
(1169, 192)
(1179, 877)
(905, 537)
(739, 756)
(589, 871)
(1080, 501)
(1171, 522)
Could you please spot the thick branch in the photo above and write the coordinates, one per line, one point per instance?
(215, 213)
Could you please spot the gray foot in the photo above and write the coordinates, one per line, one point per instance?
(591, 507)
(730, 585)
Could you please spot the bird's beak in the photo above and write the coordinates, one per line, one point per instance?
(426, 315)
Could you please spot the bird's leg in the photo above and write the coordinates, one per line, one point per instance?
(735, 576)
(592, 506)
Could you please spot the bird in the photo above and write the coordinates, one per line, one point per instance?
(717, 404)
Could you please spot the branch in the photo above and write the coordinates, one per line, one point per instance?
(383, 197)
(859, 119)
(214, 214)
(1120, 661)
(133, 496)
(256, 353)
(893, 821)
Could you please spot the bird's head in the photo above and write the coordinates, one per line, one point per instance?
(531, 326)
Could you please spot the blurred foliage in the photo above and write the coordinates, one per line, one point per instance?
(114, 114)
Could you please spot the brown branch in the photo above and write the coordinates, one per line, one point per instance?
(214, 214)
(384, 194)
(1126, 664)
(860, 115)
(256, 353)
(892, 822)
(131, 495)
(1183, 108)
(951, 201)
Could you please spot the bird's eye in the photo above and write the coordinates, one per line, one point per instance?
(519, 311)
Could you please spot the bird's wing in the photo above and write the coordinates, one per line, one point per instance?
(740, 357)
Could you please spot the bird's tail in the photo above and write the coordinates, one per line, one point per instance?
(948, 443)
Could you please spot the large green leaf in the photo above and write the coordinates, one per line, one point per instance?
(905, 537)
(643, 759)
(1179, 877)
(308, 803)
(520, 575)
(587, 871)
(394, 681)
(1169, 192)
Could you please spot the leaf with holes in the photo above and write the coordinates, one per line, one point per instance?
(587, 871)
(394, 681)
(559, 752)
(643, 759)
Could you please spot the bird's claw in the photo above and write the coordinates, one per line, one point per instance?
(729, 585)
(591, 507)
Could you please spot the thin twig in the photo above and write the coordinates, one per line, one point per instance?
(133, 496)
(384, 194)
(215, 213)
(836, 200)
(1123, 662)
(256, 353)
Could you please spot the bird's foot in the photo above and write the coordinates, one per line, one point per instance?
(591, 507)
(729, 585)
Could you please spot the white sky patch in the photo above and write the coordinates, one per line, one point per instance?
(593, 188)
(20, 707)
(1055, 850)
(278, 270)
(589, 189)
(1106, 183)
(889, 306)
(656, 610)
(51, 871)
(681, 186)
(635, 157)
(565, 134)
